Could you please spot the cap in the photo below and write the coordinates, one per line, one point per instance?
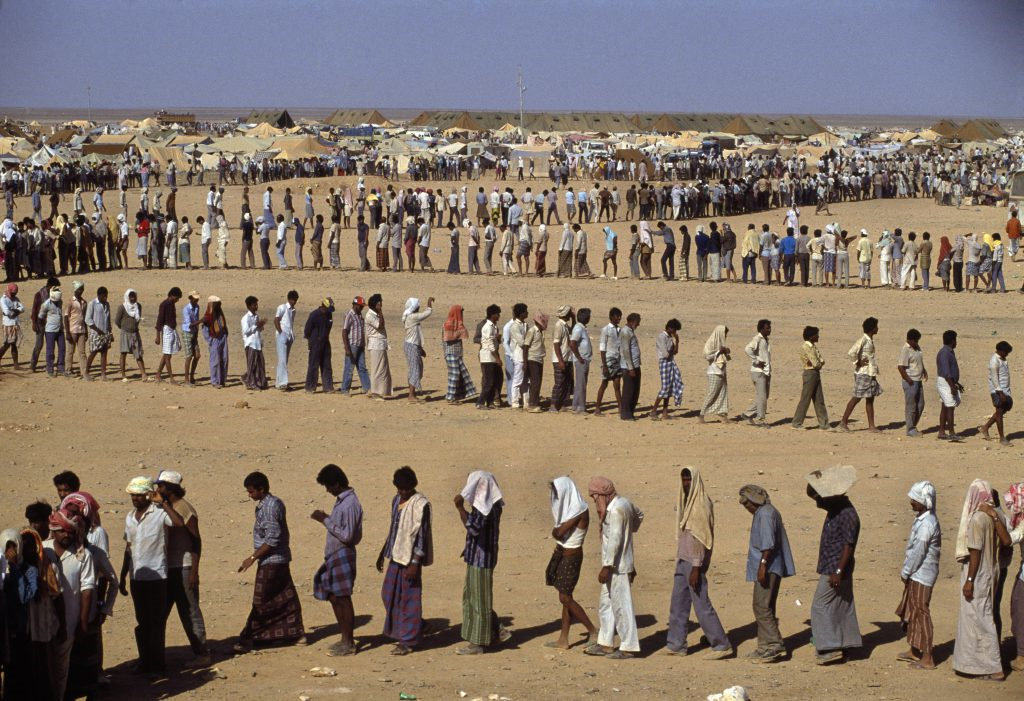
(360, 301)
(140, 485)
(169, 477)
(194, 294)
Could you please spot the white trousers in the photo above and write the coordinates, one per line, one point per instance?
(515, 390)
(908, 274)
(615, 614)
(884, 268)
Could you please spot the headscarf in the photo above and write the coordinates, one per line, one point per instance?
(46, 573)
(696, 513)
(645, 234)
(214, 319)
(1014, 500)
(132, 308)
(602, 491)
(55, 294)
(454, 329)
(82, 504)
(990, 242)
(754, 494)
(11, 535)
(482, 491)
(945, 248)
(715, 343)
(566, 501)
(411, 306)
(977, 494)
(924, 494)
(541, 321)
(863, 232)
(12, 291)
(62, 521)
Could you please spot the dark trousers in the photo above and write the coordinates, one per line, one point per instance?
(37, 349)
(958, 276)
(150, 600)
(805, 266)
(491, 384)
(750, 263)
(630, 394)
(265, 253)
(319, 366)
(668, 262)
(789, 267)
(535, 371)
(55, 343)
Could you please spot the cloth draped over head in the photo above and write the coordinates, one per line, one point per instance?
(541, 320)
(82, 504)
(602, 491)
(132, 308)
(566, 501)
(12, 291)
(214, 318)
(754, 494)
(55, 294)
(645, 234)
(46, 574)
(715, 343)
(945, 247)
(454, 328)
(832, 481)
(863, 232)
(1014, 500)
(924, 494)
(412, 305)
(482, 491)
(695, 511)
(980, 492)
(12, 536)
(63, 521)
(563, 311)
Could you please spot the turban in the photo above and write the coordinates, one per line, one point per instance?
(754, 494)
(923, 493)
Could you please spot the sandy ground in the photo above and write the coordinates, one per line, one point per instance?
(110, 432)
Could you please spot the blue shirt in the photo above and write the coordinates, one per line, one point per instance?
(768, 533)
(924, 546)
(788, 245)
(946, 365)
(482, 538)
(271, 529)
(189, 318)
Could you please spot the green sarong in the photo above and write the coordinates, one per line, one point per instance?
(479, 622)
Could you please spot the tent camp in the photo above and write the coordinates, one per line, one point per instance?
(980, 130)
(275, 118)
(163, 156)
(263, 131)
(632, 155)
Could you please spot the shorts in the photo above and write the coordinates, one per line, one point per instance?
(611, 255)
(614, 369)
(189, 341)
(949, 400)
(1006, 404)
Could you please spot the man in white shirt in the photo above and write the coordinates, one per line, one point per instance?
(611, 370)
(284, 320)
(282, 242)
(255, 376)
(423, 241)
(759, 352)
(490, 360)
(145, 557)
(581, 352)
(268, 208)
(205, 237)
(516, 335)
(618, 520)
(76, 577)
(999, 389)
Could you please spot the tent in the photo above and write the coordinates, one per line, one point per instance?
(163, 155)
(263, 131)
(301, 147)
(632, 155)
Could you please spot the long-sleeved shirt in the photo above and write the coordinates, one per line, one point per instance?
(413, 330)
(97, 314)
(489, 342)
(998, 375)
(423, 542)
(271, 529)
(189, 318)
(609, 341)
(620, 523)
(166, 316)
(810, 357)
(482, 538)
(376, 332)
(50, 316)
(759, 351)
(864, 349)
(344, 524)
(924, 545)
(318, 327)
(251, 336)
(767, 532)
(630, 348)
(12, 310)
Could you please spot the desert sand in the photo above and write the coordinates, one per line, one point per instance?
(110, 432)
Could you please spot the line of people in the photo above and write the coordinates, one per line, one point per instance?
(59, 587)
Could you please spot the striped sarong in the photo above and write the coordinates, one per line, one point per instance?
(460, 383)
(403, 606)
(337, 575)
(415, 361)
(582, 267)
(671, 380)
(565, 264)
(479, 622)
(915, 613)
(716, 401)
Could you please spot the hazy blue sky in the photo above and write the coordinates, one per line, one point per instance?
(954, 57)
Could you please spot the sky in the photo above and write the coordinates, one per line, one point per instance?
(895, 57)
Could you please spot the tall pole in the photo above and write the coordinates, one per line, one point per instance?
(522, 91)
(88, 91)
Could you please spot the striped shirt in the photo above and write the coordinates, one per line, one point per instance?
(271, 529)
(354, 326)
(482, 538)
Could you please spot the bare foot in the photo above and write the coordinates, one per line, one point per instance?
(558, 644)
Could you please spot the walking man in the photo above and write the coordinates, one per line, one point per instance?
(284, 325)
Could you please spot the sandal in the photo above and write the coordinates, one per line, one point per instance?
(401, 650)
(620, 655)
(595, 650)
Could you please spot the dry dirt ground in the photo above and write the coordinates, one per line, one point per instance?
(110, 432)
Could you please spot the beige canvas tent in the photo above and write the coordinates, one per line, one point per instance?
(263, 131)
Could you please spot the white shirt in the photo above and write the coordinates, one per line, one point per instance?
(620, 523)
(489, 342)
(286, 317)
(75, 574)
(148, 541)
(759, 351)
(207, 233)
(251, 336)
(282, 232)
(376, 339)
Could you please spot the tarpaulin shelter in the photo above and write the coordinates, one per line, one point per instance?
(632, 155)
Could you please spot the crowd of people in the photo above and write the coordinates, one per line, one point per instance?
(60, 588)
(399, 227)
(514, 353)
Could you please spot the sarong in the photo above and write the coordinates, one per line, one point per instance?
(382, 258)
(98, 342)
(565, 264)
(276, 613)
(582, 267)
(865, 386)
(255, 376)
(671, 380)
(563, 572)
(460, 383)
(171, 341)
(380, 373)
(716, 401)
(834, 616)
(541, 263)
(403, 606)
(415, 361)
(337, 575)
(479, 622)
(916, 615)
(12, 335)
